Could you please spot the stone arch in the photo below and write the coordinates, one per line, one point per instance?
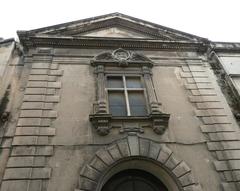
(136, 149)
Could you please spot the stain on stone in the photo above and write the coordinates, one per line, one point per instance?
(4, 115)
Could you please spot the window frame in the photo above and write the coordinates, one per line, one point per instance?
(109, 63)
(126, 91)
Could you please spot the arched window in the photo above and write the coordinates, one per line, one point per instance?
(134, 180)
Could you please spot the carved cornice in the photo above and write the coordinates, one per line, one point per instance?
(102, 42)
(122, 58)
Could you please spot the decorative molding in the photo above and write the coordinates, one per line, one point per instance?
(29, 41)
(101, 119)
(123, 57)
(135, 148)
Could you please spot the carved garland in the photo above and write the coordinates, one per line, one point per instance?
(101, 118)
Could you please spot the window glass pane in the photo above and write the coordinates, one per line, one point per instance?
(114, 82)
(117, 105)
(133, 82)
(137, 103)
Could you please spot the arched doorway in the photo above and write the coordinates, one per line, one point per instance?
(142, 154)
(134, 180)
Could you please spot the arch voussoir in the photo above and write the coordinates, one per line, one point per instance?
(134, 146)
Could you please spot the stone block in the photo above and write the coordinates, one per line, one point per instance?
(164, 154)
(89, 172)
(56, 72)
(154, 150)
(105, 156)
(27, 131)
(39, 71)
(214, 146)
(199, 86)
(31, 113)
(52, 78)
(196, 68)
(50, 114)
(210, 105)
(47, 131)
(98, 164)
(54, 66)
(190, 81)
(114, 152)
(15, 185)
(26, 161)
(38, 78)
(231, 154)
(29, 122)
(185, 69)
(123, 147)
(196, 99)
(32, 105)
(191, 86)
(40, 65)
(186, 74)
(203, 92)
(42, 140)
(223, 136)
(48, 106)
(144, 147)
(216, 128)
(54, 84)
(172, 162)
(46, 122)
(216, 120)
(234, 164)
(37, 84)
(220, 165)
(133, 145)
(195, 80)
(193, 188)
(204, 85)
(17, 173)
(35, 185)
(51, 91)
(24, 140)
(54, 99)
(87, 184)
(41, 173)
(228, 176)
(181, 168)
(186, 179)
(44, 151)
(236, 175)
(228, 186)
(200, 74)
(33, 98)
(210, 112)
(35, 91)
(231, 145)
(220, 155)
(32, 151)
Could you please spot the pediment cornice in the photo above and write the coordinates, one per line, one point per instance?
(75, 31)
(29, 41)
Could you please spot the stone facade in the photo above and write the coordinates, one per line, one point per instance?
(58, 134)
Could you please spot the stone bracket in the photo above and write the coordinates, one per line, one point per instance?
(101, 122)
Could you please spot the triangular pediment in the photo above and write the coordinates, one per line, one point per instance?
(115, 25)
(115, 32)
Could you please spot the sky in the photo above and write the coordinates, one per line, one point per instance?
(217, 20)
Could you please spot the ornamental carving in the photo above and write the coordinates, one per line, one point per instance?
(101, 118)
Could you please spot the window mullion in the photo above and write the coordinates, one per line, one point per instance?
(126, 96)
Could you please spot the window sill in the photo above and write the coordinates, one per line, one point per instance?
(103, 122)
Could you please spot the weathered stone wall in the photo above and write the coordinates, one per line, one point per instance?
(53, 138)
